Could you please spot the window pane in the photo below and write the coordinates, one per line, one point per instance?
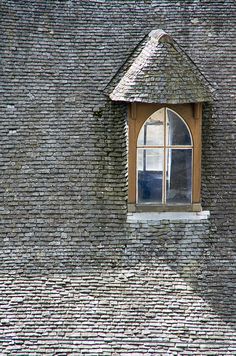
(179, 176)
(177, 132)
(150, 172)
(152, 132)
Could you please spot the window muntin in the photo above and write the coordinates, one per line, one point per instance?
(164, 160)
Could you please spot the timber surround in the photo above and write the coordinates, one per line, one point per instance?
(138, 113)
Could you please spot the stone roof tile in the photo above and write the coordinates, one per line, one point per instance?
(162, 72)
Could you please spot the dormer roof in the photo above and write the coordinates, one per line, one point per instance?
(161, 73)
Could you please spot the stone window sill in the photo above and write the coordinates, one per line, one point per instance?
(171, 216)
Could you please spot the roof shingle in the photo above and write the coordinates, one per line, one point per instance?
(162, 73)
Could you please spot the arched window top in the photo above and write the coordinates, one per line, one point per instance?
(178, 132)
(165, 128)
(152, 131)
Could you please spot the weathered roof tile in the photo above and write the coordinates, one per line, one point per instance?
(162, 73)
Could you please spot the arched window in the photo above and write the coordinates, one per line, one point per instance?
(164, 157)
(164, 160)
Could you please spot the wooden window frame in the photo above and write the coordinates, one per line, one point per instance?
(138, 113)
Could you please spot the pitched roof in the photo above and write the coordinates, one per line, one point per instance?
(162, 73)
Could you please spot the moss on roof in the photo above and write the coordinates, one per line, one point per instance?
(162, 73)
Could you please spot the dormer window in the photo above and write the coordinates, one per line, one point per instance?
(164, 160)
(165, 92)
(164, 157)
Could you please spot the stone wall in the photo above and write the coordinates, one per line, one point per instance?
(76, 277)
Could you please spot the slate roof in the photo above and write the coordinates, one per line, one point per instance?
(75, 277)
(162, 73)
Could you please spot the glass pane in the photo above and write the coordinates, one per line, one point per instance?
(150, 172)
(152, 132)
(179, 176)
(177, 131)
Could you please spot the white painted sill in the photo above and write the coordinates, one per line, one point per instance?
(171, 216)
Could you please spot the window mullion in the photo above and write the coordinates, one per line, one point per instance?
(164, 163)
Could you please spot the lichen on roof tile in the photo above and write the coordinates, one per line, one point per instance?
(162, 73)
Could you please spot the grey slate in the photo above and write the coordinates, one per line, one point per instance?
(75, 277)
(162, 73)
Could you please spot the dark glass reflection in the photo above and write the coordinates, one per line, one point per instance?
(150, 172)
(177, 132)
(179, 176)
